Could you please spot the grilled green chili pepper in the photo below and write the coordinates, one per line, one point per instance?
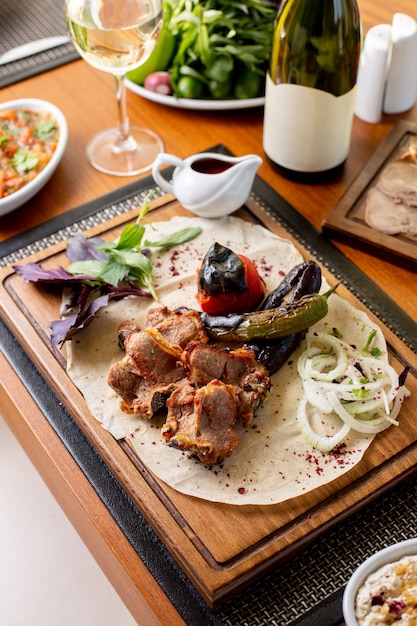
(273, 323)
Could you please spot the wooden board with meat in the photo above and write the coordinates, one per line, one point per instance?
(379, 210)
(275, 490)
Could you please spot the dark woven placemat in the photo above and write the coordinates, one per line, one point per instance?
(28, 20)
(307, 590)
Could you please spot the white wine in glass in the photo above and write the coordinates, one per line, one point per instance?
(117, 36)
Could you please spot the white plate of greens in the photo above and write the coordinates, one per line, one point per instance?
(196, 104)
(216, 54)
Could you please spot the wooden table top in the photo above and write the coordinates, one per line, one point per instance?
(87, 98)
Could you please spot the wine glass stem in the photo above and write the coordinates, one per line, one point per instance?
(125, 142)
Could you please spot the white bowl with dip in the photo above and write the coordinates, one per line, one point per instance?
(391, 555)
(20, 196)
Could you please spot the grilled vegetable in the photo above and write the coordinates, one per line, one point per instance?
(228, 282)
(274, 353)
(272, 323)
(303, 279)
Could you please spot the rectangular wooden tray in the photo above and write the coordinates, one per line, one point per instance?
(221, 548)
(346, 221)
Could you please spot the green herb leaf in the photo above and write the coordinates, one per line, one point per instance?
(46, 129)
(126, 262)
(130, 258)
(90, 268)
(181, 236)
(204, 31)
(114, 272)
(360, 392)
(375, 351)
(131, 236)
(23, 162)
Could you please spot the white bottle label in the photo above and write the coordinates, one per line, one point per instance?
(305, 129)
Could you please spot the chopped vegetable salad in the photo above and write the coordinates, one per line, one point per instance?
(28, 140)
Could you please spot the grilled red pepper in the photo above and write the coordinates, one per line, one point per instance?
(228, 282)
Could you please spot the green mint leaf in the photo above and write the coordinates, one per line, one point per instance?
(131, 236)
(176, 238)
(90, 268)
(114, 272)
(144, 278)
(130, 258)
(106, 245)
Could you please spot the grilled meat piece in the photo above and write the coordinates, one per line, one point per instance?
(202, 421)
(147, 375)
(233, 367)
(154, 357)
(138, 395)
(178, 327)
(125, 329)
(169, 364)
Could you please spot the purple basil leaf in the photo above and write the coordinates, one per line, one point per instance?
(71, 300)
(61, 330)
(128, 288)
(79, 248)
(86, 299)
(65, 329)
(79, 299)
(33, 272)
(96, 305)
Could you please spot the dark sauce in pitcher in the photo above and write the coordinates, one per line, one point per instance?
(210, 166)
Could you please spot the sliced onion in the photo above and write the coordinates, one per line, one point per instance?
(313, 392)
(371, 426)
(316, 363)
(321, 442)
(363, 391)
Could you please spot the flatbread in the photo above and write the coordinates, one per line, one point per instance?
(272, 462)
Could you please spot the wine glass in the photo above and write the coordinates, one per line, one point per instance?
(118, 36)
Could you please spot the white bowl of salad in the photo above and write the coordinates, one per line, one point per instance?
(33, 138)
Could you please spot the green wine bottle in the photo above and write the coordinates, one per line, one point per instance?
(310, 87)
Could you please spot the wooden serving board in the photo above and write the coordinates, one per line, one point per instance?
(221, 548)
(346, 220)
